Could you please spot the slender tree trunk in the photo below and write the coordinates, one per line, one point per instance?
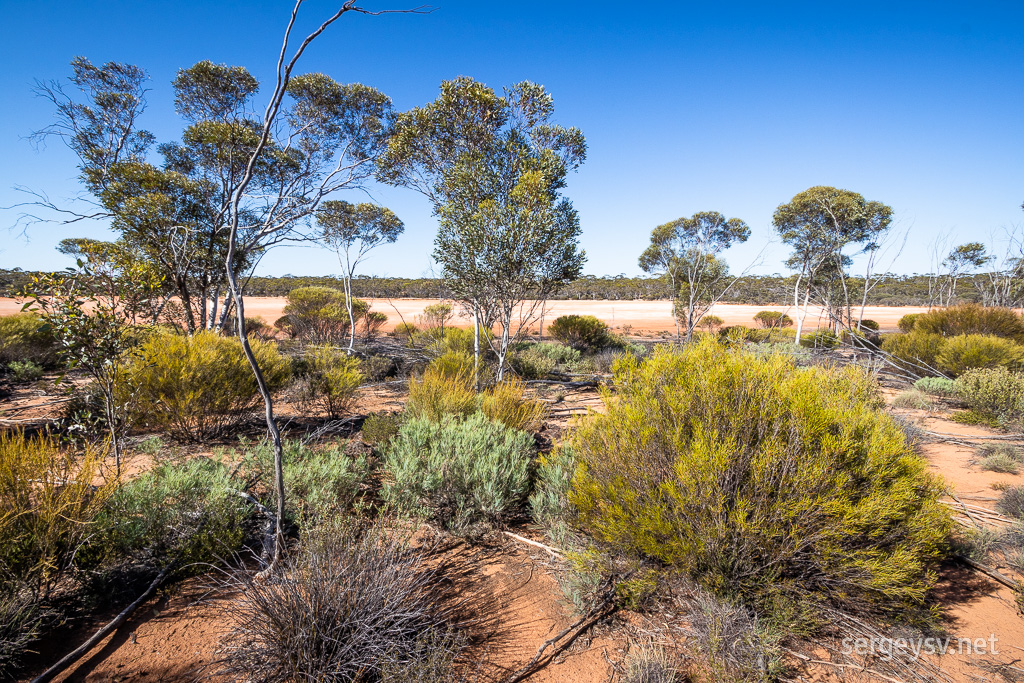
(801, 313)
(476, 345)
(268, 401)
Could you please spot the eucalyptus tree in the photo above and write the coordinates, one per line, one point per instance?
(819, 223)
(352, 231)
(962, 260)
(493, 167)
(686, 251)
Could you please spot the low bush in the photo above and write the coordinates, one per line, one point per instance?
(650, 664)
(25, 371)
(906, 323)
(378, 368)
(404, 331)
(820, 339)
(995, 392)
(1001, 458)
(761, 480)
(734, 644)
(710, 323)
(914, 399)
(21, 623)
(354, 605)
(445, 388)
(871, 325)
(506, 403)
(330, 380)
(189, 513)
(549, 504)
(581, 332)
(967, 319)
(48, 507)
(198, 386)
(967, 352)
(772, 319)
(935, 386)
(559, 353)
(1011, 502)
(379, 428)
(321, 482)
(531, 364)
(458, 472)
(373, 321)
(916, 351)
(320, 314)
(23, 337)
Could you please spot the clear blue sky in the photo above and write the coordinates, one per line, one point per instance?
(732, 107)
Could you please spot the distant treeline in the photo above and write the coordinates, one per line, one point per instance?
(895, 290)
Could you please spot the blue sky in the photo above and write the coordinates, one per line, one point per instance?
(733, 107)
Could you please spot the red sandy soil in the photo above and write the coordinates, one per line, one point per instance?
(177, 635)
(641, 316)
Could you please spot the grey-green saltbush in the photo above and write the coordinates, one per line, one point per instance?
(936, 386)
(458, 472)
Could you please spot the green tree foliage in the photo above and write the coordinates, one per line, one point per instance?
(819, 224)
(353, 230)
(766, 482)
(686, 252)
(772, 320)
(494, 168)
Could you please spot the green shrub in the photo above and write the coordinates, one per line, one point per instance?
(404, 331)
(772, 319)
(914, 399)
(25, 371)
(320, 313)
(996, 392)
(710, 323)
(532, 364)
(968, 319)
(198, 386)
(372, 322)
(378, 368)
(187, 512)
(966, 352)
(330, 381)
(820, 339)
(379, 428)
(321, 482)
(916, 351)
(560, 353)
(458, 472)
(906, 323)
(581, 332)
(775, 484)
(24, 338)
(506, 403)
(549, 503)
(935, 386)
(871, 325)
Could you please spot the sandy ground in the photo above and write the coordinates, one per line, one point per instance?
(640, 316)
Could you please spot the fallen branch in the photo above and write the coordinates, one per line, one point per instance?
(988, 571)
(78, 652)
(521, 539)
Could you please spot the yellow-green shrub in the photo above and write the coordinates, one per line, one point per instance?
(916, 351)
(200, 385)
(505, 403)
(445, 388)
(966, 352)
(22, 338)
(775, 484)
(906, 323)
(49, 498)
(331, 378)
(581, 332)
(994, 392)
(972, 319)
